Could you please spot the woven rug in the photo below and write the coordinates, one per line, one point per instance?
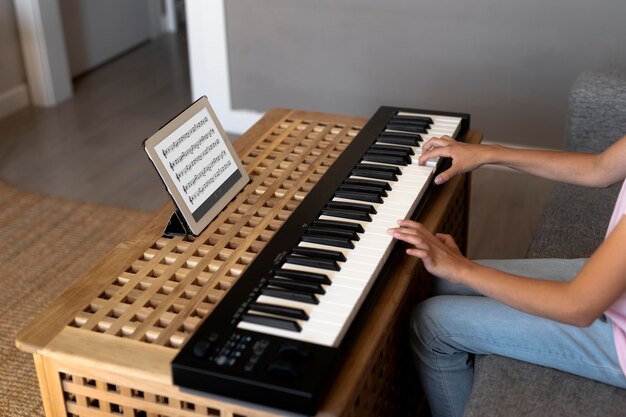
(45, 245)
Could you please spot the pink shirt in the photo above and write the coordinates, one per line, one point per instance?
(617, 312)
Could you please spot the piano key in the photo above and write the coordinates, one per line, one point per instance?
(334, 241)
(317, 337)
(305, 297)
(409, 118)
(406, 127)
(346, 214)
(359, 196)
(379, 168)
(399, 138)
(330, 314)
(396, 160)
(363, 188)
(289, 284)
(316, 325)
(366, 173)
(279, 310)
(319, 278)
(271, 322)
(315, 262)
(320, 253)
(405, 150)
(367, 208)
(373, 183)
(404, 158)
(329, 231)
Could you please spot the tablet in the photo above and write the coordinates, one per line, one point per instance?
(197, 164)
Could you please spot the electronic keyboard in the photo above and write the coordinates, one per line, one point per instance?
(280, 333)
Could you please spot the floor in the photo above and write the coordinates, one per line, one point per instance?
(89, 148)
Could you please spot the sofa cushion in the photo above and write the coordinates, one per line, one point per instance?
(506, 387)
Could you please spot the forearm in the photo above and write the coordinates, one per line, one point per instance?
(549, 299)
(574, 168)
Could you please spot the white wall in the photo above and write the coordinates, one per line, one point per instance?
(13, 91)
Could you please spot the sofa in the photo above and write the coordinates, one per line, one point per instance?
(572, 225)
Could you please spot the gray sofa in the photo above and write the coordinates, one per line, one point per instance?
(572, 225)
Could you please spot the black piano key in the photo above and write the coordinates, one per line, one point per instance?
(390, 148)
(319, 253)
(359, 196)
(328, 241)
(367, 208)
(384, 159)
(289, 284)
(363, 188)
(378, 167)
(410, 121)
(315, 262)
(387, 176)
(399, 139)
(275, 322)
(372, 183)
(397, 150)
(302, 276)
(406, 127)
(304, 297)
(328, 231)
(406, 117)
(346, 214)
(294, 313)
(338, 224)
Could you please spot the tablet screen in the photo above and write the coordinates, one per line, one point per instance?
(197, 163)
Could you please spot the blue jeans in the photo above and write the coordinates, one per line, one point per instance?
(448, 329)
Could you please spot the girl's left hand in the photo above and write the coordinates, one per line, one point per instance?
(439, 252)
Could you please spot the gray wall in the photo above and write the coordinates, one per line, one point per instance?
(509, 63)
(11, 65)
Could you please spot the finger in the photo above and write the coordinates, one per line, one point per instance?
(410, 238)
(410, 224)
(433, 153)
(447, 240)
(437, 142)
(418, 253)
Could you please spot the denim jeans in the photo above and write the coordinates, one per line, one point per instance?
(448, 329)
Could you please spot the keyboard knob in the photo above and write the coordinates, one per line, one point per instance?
(201, 349)
(283, 369)
(294, 352)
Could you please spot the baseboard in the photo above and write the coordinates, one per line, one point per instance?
(13, 100)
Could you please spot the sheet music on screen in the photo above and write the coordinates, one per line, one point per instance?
(198, 160)
(197, 164)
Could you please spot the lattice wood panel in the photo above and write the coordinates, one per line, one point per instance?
(164, 294)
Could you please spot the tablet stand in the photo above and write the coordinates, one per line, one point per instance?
(177, 226)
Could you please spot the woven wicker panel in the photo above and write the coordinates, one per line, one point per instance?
(164, 294)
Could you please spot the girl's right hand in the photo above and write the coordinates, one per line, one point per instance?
(465, 157)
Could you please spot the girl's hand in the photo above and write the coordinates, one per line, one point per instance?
(465, 157)
(439, 253)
